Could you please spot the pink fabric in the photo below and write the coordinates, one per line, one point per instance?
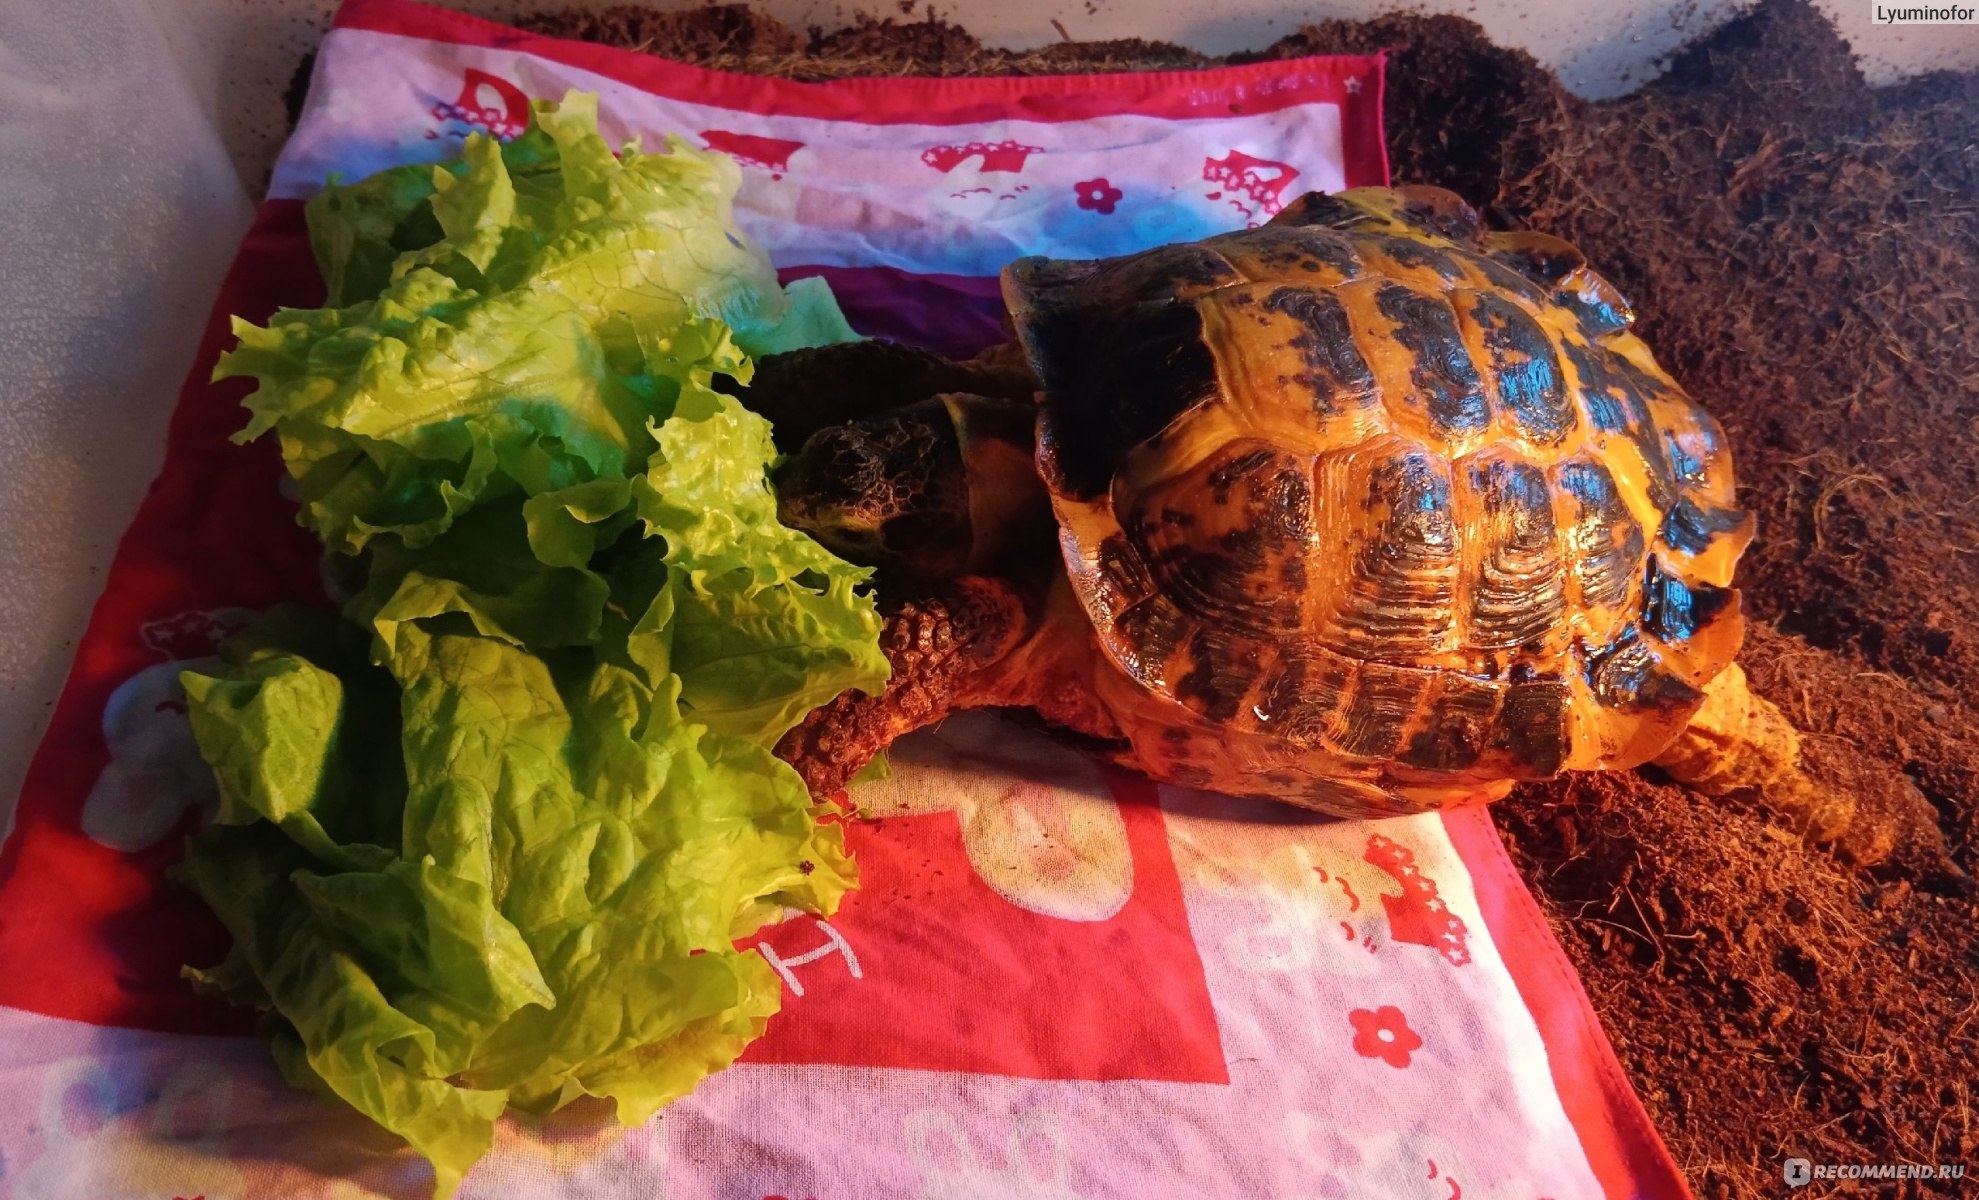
(1056, 981)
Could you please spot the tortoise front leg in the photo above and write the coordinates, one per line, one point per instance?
(942, 498)
(1740, 742)
(922, 468)
(970, 642)
(944, 646)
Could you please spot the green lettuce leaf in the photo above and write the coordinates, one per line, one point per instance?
(764, 617)
(567, 297)
(489, 838)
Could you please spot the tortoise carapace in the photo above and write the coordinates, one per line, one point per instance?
(1368, 509)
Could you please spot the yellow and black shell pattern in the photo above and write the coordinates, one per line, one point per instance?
(1375, 511)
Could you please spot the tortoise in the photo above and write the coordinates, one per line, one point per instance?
(1368, 509)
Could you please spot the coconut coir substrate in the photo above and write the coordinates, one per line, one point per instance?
(1803, 251)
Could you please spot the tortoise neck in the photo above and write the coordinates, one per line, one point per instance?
(1051, 671)
(1010, 522)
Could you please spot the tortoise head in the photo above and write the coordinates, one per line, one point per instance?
(940, 488)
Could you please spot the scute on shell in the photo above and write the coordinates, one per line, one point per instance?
(1376, 511)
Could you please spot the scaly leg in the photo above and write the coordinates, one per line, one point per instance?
(1740, 742)
(965, 643)
(944, 645)
(922, 468)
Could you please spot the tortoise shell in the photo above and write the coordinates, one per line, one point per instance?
(1375, 511)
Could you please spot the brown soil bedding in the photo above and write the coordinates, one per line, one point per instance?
(1804, 254)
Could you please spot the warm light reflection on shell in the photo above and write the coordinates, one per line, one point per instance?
(1375, 511)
